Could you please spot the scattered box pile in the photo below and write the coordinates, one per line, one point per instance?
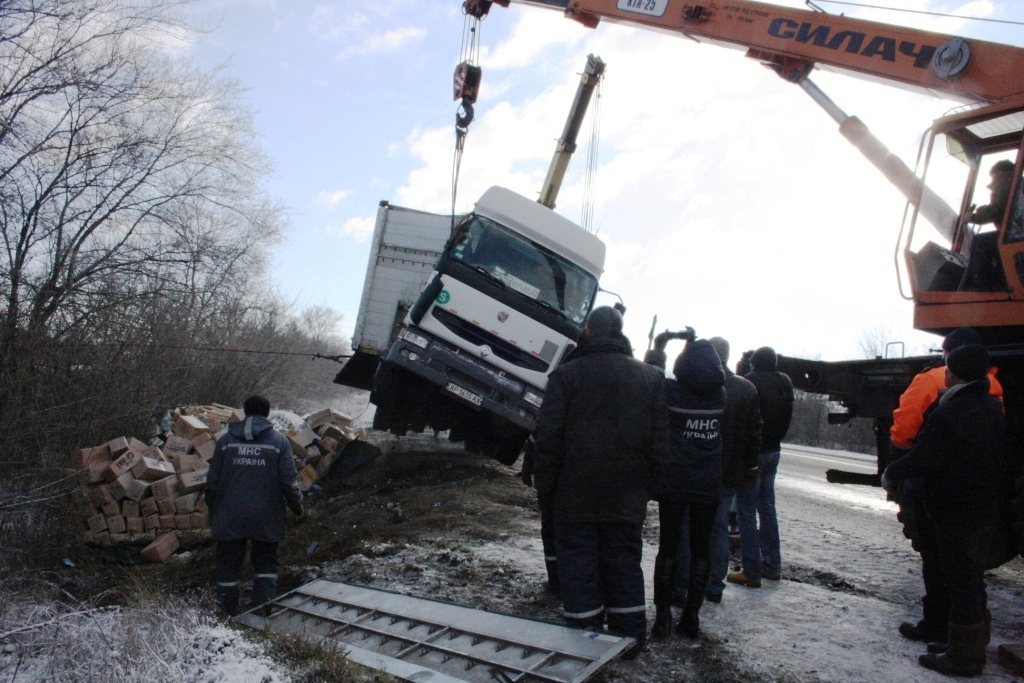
(153, 493)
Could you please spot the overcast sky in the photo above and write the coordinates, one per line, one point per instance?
(727, 198)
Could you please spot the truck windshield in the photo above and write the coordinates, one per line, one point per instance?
(525, 267)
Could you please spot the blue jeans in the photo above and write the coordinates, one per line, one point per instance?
(719, 550)
(759, 523)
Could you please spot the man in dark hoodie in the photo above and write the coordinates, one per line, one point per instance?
(755, 506)
(691, 486)
(251, 481)
(960, 454)
(601, 439)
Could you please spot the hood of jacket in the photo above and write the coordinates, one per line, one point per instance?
(764, 358)
(251, 428)
(699, 369)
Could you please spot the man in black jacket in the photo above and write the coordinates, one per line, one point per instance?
(960, 453)
(601, 441)
(251, 481)
(755, 506)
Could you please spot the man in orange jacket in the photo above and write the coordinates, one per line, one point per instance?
(907, 419)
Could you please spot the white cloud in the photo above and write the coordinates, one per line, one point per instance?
(383, 43)
(331, 198)
(359, 228)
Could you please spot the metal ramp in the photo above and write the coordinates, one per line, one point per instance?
(424, 640)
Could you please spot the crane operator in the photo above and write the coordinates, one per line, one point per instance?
(984, 269)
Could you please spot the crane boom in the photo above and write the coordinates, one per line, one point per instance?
(567, 143)
(795, 40)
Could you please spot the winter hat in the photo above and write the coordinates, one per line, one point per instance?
(699, 367)
(764, 358)
(961, 336)
(721, 347)
(968, 363)
(604, 321)
(256, 405)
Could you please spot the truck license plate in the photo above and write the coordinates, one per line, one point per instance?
(462, 393)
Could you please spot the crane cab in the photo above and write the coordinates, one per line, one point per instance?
(970, 272)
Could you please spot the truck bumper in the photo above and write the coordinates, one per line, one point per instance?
(465, 378)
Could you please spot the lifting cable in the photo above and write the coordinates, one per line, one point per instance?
(466, 84)
(590, 174)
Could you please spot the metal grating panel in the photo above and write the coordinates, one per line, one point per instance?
(423, 640)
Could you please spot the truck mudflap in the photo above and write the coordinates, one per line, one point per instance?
(358, 371)
(426, 382)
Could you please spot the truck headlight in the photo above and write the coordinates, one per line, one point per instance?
(533, 399)
(416, 339)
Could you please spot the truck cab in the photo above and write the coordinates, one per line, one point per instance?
(504, 305)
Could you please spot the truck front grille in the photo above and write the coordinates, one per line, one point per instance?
(477, 336)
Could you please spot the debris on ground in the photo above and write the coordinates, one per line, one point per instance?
(144, 501)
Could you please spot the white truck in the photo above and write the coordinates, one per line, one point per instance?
(461, 321)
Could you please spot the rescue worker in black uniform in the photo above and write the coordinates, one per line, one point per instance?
(691, 485)
(960, 454)
(602, 437)
(251, 482)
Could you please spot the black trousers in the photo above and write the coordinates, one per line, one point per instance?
(547, 539)
(229, 556)
(701, 517)
(600, 575)
(936, 601)
(962, 552)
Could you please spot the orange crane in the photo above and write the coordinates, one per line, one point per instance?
(942, 279)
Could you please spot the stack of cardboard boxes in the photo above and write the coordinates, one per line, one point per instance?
(153, 493)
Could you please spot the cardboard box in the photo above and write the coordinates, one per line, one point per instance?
(119, 487)
(87, 537)
(111, 509)
(324, 464)
(186, 504)
(86, 456)
(189, 427)
(183, 522)
(165, 506)
(94, 473)
(124, 463)
(116, 539)
(207, 450)
(149, 469)
(129, 508)
(192, 481)
(151, 522)
(117, 447)
(100, 495)
(162, 548)
(133, 525)
(307, 477)
(97, 523)
(199, 520)
(190, 537)
(101, 538)
(144, 537)
(148, 507)
(137, 489)
(191, 463)
(167, 521)
(115, 525)
(165, 488)
(176, 446)
(327, 416)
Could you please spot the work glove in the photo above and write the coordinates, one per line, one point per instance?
(527, 477)
(750, 478)
(300, 514)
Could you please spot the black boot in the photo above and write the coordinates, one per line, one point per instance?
(940, 646)
(227, 599)
(689, 623)
(662, 622)
(264, 589)
(966, 653)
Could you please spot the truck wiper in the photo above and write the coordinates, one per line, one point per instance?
(487, 274)
(544, 304)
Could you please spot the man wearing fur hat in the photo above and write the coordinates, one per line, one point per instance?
(960, 455)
